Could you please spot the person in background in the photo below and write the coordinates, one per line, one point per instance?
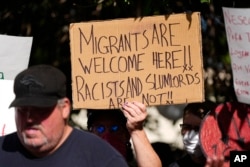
(192, 119)
(44, 137)
(119, 127)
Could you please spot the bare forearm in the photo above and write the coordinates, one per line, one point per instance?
(145, 154)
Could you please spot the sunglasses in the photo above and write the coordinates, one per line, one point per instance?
(99, 129)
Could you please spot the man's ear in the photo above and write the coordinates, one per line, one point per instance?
(66, 108)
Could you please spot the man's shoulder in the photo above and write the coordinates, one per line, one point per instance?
(85, 139)
(93, 147)
(9, 142)
(82, 134)
(9, 137)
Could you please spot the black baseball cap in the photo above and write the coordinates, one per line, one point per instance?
(39, 86)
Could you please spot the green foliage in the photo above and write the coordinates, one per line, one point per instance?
(205, 1)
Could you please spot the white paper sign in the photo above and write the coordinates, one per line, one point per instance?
(14, 58)
(14, 55)
(7, 118)
(237, 23)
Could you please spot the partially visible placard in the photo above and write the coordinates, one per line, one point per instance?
(14, 55)
(14, 58)
(237, 23)
(156, 60)
(226, 129)
(7, 115)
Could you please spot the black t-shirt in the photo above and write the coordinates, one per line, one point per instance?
(81, 149)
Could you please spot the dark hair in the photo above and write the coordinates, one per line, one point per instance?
(199, 109)
(92, 114)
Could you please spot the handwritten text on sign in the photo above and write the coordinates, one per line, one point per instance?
(155, 60)
(237, 23)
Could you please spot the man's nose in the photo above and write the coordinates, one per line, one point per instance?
(29, 115)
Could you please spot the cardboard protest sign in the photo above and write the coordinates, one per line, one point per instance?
(238, 37)
(155, 60)
(7, 118)
(226, 129)
(14, 55)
